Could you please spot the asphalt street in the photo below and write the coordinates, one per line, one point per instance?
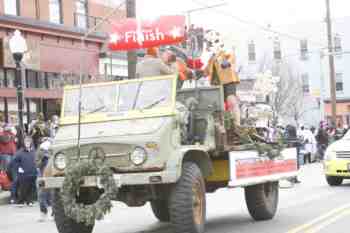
(309, 207)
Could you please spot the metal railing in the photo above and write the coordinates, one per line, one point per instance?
(85, 21)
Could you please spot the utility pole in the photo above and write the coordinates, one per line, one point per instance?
(322, 89)
(132, 57)
(331, 64)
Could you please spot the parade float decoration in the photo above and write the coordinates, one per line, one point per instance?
(74, 177)
(131, 34)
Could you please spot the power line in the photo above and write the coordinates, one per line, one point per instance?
(261, 27)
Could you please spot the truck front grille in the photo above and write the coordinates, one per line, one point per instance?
(115, 160)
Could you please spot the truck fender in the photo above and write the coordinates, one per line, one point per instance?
(200, 157)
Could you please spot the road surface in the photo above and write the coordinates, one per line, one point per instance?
(309, 207)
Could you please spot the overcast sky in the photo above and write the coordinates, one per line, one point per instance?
(264, 12)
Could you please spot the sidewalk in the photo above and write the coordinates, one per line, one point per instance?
(4, 197)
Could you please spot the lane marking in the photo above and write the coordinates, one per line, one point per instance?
(328, 222)
(306, 226)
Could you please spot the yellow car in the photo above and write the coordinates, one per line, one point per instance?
(337, 161)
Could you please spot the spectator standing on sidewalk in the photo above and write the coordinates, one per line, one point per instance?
(38, 130)
(7, 145)
(7, 151)
(24, 161)
(322, 140)
(44, 195)
(292, 138)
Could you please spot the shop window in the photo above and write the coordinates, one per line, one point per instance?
(10, 78)
(81, 9)
(54, 81)
(11, 7)
(304, 50)
(37, 9)
(305, 83)
(277, 53)
(55, 8)
(2, 78)
(31, 79)
(251, 52)
(339, 82)
(337, 44)
(41, 80)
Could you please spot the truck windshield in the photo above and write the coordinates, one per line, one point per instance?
(113, 98)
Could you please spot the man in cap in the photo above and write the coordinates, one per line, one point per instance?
(153, 65)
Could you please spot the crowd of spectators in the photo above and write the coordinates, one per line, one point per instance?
(24, 162)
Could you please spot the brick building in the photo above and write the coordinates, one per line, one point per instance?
(52, 29)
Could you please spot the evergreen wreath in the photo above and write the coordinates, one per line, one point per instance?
(74, 176)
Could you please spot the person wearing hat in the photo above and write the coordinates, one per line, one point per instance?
(153, 65)
(44, 195)
(38, 131)
(24, 162)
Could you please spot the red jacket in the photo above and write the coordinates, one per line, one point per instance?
(8, 143)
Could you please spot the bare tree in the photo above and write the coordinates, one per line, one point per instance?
(295, 108)
(287, 101)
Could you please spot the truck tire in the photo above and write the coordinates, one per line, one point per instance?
(65, 224)
(262, 200)
(187, 203)
(334, 180)
(160, 209)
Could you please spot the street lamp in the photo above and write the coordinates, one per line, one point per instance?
(18, 47)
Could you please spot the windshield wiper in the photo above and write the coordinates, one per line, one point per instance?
(155, 103)
(137, 95)
(102, 106)
(96, 110)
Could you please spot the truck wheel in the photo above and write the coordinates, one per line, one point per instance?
(160, 209)
(65, 224)
(187, 202)
(262, 200)
(334, 180)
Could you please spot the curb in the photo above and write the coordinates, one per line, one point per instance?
(4, 198)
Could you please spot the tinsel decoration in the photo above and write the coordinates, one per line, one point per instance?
(74, 177)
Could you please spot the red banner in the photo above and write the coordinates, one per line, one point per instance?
(132, 34)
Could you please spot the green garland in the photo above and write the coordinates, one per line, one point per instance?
(74, 176)
(249, 136)
(270, 150)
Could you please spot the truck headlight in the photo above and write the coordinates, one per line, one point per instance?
(60, 161)
(330, 155)
(138, 156)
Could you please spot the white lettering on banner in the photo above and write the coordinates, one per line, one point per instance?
(146, 35)
(176, 32)
(129, 35)
(114, 38)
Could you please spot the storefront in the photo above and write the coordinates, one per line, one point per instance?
(343, 112)
(52, 61)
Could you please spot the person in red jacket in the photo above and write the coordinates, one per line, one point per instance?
(7, 152)
(7, 146)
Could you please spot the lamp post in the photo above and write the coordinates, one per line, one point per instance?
(18, 47)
